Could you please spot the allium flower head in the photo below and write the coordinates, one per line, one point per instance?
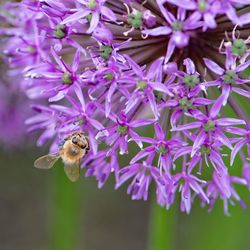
(146, 81)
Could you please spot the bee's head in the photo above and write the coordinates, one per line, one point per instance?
(80, 141)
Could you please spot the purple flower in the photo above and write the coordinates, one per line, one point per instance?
(237, 47)
(209, 152)
(209, 128)
(222, 187)
(121, 131)
(187, 90)
(91, 11)
(161, 147)
(54, 9)
(184, 105)
(142, 174)
(147, 83)
(228, 77)
(54, 80)
(14, 110)
(242, 141)
(186, 183)
(209, 9)
(25, 50)
(179, 28)
(47, 120)
(204, 9)
(101, 166)
(189, 81)
(107, 80)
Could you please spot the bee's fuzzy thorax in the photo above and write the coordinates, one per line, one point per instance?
(71, 153)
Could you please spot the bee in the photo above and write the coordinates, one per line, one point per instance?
(71, 150)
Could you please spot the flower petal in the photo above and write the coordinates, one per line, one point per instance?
(236, 149)
(242, 92)
(143, 153)
(229, 121)
(76, 16)
(214, 66)
(187, 126)
(198, 142)
(162, 30)
(189, 66)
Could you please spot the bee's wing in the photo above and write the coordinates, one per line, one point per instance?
(46, 161)
(72, 171)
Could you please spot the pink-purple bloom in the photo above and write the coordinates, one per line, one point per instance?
(149, 82)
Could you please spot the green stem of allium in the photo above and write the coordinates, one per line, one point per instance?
(65, 209)
(161, 227)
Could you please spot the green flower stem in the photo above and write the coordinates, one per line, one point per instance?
(65, 211)
(161, 227)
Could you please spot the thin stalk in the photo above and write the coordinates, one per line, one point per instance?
(65, 211)
(161, 227)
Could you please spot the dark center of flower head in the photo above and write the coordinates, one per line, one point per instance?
(122, 129)
(185, 103)
(60, 31)
(163, 149)
(239, 47)
(142, 85)
(191, 80)
(67, 78)
(209, 126)
(202, 5)
(205, 150)
(177, 25)
(230, 77)
(92, 4)
(105, 51)
(135, 19)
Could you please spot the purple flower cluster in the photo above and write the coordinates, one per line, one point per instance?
(149, 82)
(14, 110)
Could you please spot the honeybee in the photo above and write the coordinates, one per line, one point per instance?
(71, 150)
